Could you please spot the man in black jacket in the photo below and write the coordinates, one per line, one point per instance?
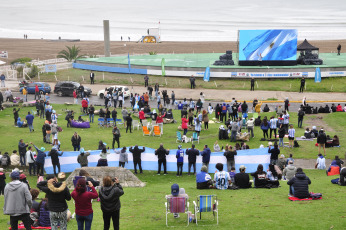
(54, 155)
(299, 185)
(22, 151)
(252, 84)
(57, 194)
(302, 85)
(161, 153)
(274, 153)
(116, 136)
(229, 154)
(128, 123)
(242, 179)
(136, 152)
(192, 155)
(81, 90)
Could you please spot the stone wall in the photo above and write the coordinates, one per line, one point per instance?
(125, 176)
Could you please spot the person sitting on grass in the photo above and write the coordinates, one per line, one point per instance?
(289, 171)
(272, 176)
(299, 185)
(260, 177)
(221, 178)
(321, 162)
(103, 158)
(43, 213)
(203, 179)
(242, 179)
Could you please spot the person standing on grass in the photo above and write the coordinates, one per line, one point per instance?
(206, 156)
(252, 84)
(265, 126)
(30, 159)
(302, 85)
(82, 158)
(76, 140)
(37, 92)
(129, 123)
(110, 194)
(29, 120)
(184, 122)
(192, 154)
(321, 141)
(22, 152)
(123, 157)
(91, 113)
(161, 153)
(301, 114)
(273, 126)
(40, 159)
(25, 94)
(146, 81)
(274, 153)
(286, 118)
(291, 133)
(229, 154)
(116, 136)
(83, 199)
(92, 78)
(54, 154)
(137, 160)
(180, 160)
(57, 194)
(15, 116)
(17, 202)
(338, 48)
(287, 104)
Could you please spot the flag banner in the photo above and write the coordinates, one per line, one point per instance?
(206, 74)
(250, 158)
(50, 68)
(3, 54)
(163, 62)
(128, 61)
(318, 75)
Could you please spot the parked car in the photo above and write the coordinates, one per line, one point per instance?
(124, 89)
(66, 88)
(42, 86)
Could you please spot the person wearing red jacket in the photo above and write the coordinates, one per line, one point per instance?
(84, 211)
(75, 96)
(159, 121)
(141, 115)
(184, 122)
(85, 105)
(37, 92)
(339, 108)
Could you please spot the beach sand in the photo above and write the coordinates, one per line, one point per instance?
(48, 49)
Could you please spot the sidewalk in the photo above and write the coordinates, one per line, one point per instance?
(222, 95)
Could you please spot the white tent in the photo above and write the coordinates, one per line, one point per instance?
(2, 62)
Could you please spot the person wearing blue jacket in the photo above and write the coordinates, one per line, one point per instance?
(265, 127)
(206, 156)
(180, 160)
(40, 158)
(203, 179)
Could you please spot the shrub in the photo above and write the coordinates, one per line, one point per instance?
(21, 60)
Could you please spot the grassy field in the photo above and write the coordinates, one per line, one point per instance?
(90, 137)
(143, 208)
(290, 85)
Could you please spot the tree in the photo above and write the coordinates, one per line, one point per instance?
(70, 54)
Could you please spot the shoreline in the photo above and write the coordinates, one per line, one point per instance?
(48, 49)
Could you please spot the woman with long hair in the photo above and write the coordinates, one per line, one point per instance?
(260, 177)
(265, 126)
(205, 118)
(43, 214)
(110, 193)
(84, 211)
(272, 176)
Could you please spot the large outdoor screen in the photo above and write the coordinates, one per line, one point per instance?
(267, 45)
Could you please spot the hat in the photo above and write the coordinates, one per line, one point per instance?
(54, 111)
(81, 150)
(270, 143)
(175, 189)
(22, 176)
(61, 176)
(53, 148)
(43, 149)
(1, 169)
(179, 146)
(282, 156)
(15, 175)
(16, 169)
(242, 167)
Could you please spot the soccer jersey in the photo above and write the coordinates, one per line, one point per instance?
(221, 180)
(180, 155)
(291, 132)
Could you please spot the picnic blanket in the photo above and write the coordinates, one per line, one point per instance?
(304, 139)
(314, 196)
(21, 226)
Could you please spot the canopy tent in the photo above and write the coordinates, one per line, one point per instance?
(306, 46)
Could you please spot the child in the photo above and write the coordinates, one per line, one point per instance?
(2, 181)
(39, 178)
(180, 160)
(123, 157)
(291, 133)
(232, 174)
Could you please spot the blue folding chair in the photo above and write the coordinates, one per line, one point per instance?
(179, 139)
(110, 122)
(195, 137)
(206, 203)
(101, 122)
(119, 121)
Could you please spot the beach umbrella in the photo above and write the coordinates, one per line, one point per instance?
(163, 62)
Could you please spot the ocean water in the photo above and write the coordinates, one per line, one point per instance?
(180, 20)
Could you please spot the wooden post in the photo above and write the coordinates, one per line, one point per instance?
(215, 84)
(83, 78)
(257, 84)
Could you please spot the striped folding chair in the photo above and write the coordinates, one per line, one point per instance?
(176, 205)
(110, 122)
(206, 203)
(101, 122)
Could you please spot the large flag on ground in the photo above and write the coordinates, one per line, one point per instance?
(318, 75)
(206, 74)
(250, 158)
(128, 61)
(163, 63)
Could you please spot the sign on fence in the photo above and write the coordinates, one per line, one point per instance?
(50, 68)
(3, 54)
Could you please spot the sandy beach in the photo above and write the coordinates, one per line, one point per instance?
(47, 49)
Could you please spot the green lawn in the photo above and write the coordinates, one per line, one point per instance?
(291, 85)
(143, 208)
(90, 137)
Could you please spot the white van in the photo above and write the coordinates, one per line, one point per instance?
(124, 89)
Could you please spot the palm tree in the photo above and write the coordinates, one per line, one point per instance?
(70, 54)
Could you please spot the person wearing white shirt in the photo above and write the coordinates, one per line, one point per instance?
(30, 159)
(250, 126)
(321, 162)
(273, 126)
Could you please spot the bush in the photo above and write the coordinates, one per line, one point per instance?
(21, 60)
(152, 53)
(33, 71)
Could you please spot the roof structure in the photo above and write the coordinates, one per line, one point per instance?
(305, 45)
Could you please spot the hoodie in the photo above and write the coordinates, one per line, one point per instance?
(206, 155)
(57, 194)
(17, 198)
(300, 184)
(289, 172)
(109, 197)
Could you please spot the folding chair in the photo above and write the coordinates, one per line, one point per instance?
(110, 122)
(145, 122)
(101, 122)
(146, 131)
(179, 139)
(33, 112)
(206, 203)
(177, 205)
(157, 131)
(135, 124)
(195, 137)
(153, 123)
(119, 122)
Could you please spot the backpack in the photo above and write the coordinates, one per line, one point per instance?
(4, 160)
(258, 121)
(296, 145)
